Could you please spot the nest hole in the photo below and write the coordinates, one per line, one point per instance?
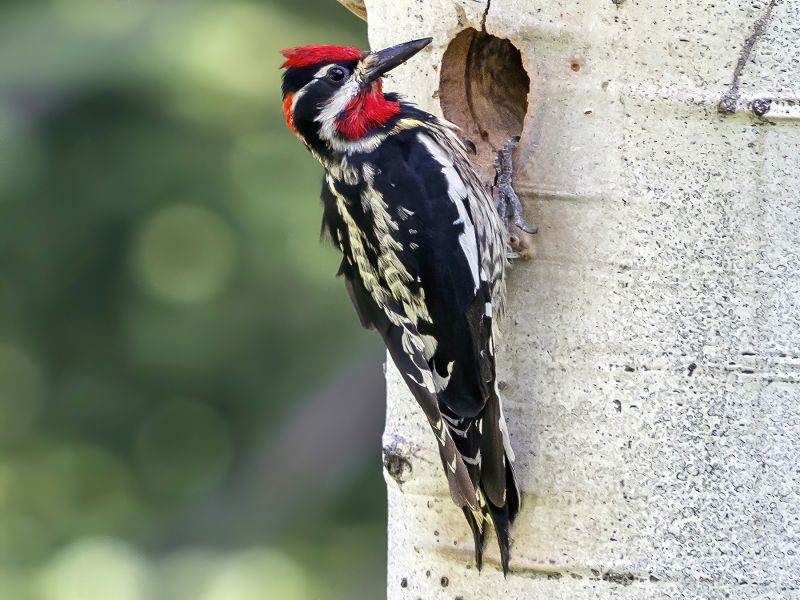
(484, 90)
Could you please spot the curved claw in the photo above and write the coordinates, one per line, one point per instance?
(509, 206)
(520, 222)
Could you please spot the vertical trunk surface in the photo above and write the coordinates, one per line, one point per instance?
(651, 355)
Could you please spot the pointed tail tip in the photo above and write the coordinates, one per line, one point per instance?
(479, 556)
(504, 558)
(479, 537)
(501, 521)
(504, 561)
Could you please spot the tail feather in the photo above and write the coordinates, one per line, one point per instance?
(513, 498)
(484, 445)
(502, 522)
(493, 469)
(478, 534)
(503, 516)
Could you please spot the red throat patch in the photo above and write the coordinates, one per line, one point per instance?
(287, 112)
(366, 111)
(305, 56)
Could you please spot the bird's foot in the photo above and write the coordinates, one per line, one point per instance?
(509, 206)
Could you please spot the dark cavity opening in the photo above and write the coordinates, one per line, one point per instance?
(484, 90)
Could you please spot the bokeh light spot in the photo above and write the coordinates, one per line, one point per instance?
(289, 214)
(185, 574)
(76, 490)
(260, 574)
(96, 568)
(181, 449)
(228, 47)
(185, 254)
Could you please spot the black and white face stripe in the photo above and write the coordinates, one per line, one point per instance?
(336, 106)
(321, 101)
(319, 89)
(322, 73)
(297, 78)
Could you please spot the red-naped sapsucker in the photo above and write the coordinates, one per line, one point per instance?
(423, 258)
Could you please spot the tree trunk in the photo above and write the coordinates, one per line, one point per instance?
(651, 354)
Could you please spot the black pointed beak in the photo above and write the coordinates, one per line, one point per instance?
(381, 62)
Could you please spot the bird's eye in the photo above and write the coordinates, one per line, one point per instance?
(337, 74)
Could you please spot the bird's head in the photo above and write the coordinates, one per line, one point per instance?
(333, 95)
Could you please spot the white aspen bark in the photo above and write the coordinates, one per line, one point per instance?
(651, 354)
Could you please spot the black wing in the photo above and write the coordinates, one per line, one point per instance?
(402, 338)
(422, 186)
(445, 352)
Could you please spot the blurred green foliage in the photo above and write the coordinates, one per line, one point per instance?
(164, 303)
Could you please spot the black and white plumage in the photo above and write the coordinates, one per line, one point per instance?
(424, 254)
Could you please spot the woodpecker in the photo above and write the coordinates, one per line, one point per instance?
(423, 258)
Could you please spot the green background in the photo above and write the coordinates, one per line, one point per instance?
(188, 407)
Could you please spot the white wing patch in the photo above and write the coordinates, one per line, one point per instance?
(402, 307)
(430, 346)
(453, 425)
(457, 191)
(504, 427)
(490, 232)
(440, 382)
(404, 213)
(473, 461)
